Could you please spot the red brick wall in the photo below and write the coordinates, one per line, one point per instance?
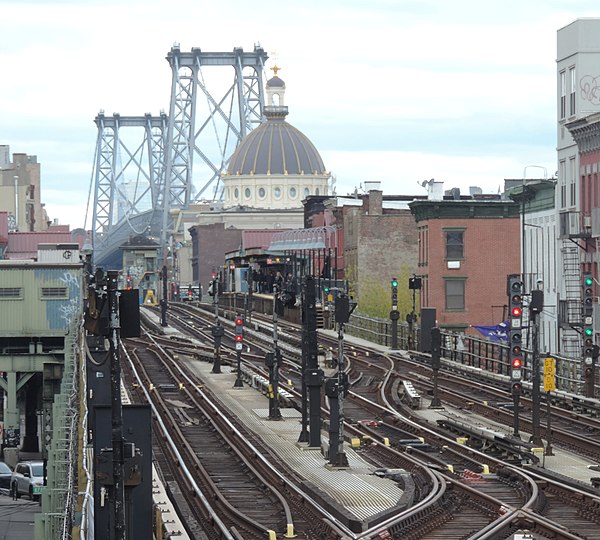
(491, 252)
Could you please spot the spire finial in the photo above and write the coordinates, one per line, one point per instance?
(275, 70)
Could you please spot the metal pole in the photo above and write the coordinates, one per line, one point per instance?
(217, 330)
(535, 380)
(163, 300)
(341, 459)
(116, 406)
(274, 412)
(516, 416)
(411, 323)
(303, 438)
(548, 428)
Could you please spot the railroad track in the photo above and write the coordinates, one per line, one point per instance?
(464, 485)
(243, 497)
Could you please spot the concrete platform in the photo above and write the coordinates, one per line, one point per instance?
(562, 461)
(356, 489)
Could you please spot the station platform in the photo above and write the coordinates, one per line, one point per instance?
(355, 489)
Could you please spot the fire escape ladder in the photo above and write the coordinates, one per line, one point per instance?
(571, 339)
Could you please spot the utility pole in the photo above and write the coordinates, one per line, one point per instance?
(116, 405)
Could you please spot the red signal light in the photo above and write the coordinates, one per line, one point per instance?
(239, 321)
(517, 363)
(238, 338)
(516, 311)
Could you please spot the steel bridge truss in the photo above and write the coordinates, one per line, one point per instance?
(149, 166)
(212, 136)
(129, 178)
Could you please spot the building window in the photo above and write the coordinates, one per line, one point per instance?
(236, 194)
(306, 192)
(277, 192)
(317, 191)
(562, 166)
(54, 293)
(563, 95)
(572, 91)
(292, 193)
(247, 193)
(455, 294)
(261, 192)
(454, 244)
(10, 293)
(572, 181)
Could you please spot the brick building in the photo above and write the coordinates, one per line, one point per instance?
(467, 246)
(377, 241)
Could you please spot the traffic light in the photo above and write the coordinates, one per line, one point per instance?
(515, 304)
(239, 329)
(394, 294)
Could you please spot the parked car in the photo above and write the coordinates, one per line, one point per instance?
(27, 479)
(5, 476)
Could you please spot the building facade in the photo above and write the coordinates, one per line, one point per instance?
(467, 245)
(578, 72)
(20, 192)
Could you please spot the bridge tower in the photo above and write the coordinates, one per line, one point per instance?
(168, 161)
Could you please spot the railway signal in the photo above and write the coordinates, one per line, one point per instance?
(515, 296)
(239, 337)
(239, 332)
(589, 356)
(394, 294)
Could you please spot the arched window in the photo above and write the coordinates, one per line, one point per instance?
(293, 193)
(247, 193)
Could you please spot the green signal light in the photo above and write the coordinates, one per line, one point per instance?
(326, 289)
(588, 281)
(588, 331)
(394, 282)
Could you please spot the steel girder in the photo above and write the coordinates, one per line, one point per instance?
(231, 117)
(129, 171)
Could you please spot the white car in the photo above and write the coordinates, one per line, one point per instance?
(27, 479)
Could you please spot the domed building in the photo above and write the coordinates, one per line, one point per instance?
(273, 169)
(275, 166)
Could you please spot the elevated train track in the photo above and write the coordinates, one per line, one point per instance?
(454, 487)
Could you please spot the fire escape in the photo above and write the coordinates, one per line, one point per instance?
(575, 233)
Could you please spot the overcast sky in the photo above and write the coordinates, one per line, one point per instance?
(399, 91)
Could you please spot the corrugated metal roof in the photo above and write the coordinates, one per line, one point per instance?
(22, 244)
(258, 238)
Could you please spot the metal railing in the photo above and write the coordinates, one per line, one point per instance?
(470, 351)
(58, 496)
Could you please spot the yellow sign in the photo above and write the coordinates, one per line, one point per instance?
(549, 383)
(549, 374)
